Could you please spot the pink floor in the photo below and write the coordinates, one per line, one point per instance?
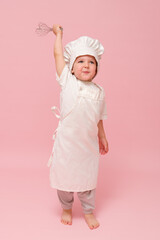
(127, 207)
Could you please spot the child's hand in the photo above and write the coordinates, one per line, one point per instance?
(103, 145)
(57, 29)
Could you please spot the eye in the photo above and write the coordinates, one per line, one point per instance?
(80, 61)
(92, 62)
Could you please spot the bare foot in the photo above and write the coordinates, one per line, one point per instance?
(66, 217)
(91, 221)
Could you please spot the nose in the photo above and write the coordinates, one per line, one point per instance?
(86, 64)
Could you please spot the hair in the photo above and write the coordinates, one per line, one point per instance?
(96, 69)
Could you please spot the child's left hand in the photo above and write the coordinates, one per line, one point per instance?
(103, 145)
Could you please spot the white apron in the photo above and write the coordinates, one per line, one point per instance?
(75, 155)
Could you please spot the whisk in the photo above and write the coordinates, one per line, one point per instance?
(43, 29)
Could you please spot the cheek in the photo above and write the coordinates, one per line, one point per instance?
(78, 69)
(94, 69)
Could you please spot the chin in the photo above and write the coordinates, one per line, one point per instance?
(84, 79)
(87, 80)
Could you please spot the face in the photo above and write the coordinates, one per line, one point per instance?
(85, 68)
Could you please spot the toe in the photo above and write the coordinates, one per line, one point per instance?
(91, 226)
(96, 226)
(63, 221)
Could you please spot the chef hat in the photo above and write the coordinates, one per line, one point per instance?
(82, 46)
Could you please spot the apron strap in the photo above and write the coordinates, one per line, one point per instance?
(53, 110)
(54, 134)
(57, 116)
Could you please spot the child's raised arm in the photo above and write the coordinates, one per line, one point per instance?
(58, 49)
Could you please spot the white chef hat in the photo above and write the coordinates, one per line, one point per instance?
(82, 46)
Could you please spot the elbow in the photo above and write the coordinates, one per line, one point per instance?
(57, 53)
(100, 122)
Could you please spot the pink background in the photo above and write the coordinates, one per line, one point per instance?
(128, 196)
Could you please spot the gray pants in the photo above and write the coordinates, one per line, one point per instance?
(87, 199)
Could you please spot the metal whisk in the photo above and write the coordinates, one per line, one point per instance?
(43, 29)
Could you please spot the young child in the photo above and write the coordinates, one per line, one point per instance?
(79, 137)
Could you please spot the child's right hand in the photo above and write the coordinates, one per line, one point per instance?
(57, 29)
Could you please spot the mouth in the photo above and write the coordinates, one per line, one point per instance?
(86, 72)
